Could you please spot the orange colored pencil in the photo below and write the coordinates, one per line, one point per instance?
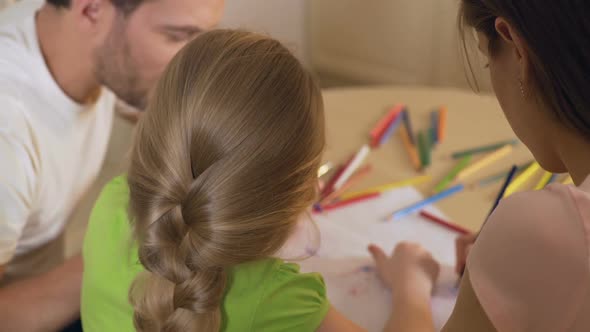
(410, 149)
(442, 123)
(355, 178)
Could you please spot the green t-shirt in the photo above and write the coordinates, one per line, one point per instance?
(266, 295)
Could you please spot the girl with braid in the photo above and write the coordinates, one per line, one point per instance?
(223, 165)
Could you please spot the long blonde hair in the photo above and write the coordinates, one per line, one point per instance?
(224, 161)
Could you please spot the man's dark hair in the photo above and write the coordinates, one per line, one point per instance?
(125, 6)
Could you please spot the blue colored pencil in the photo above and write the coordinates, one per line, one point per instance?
(552, 179)
(504, 187)
(430, 200)
(434, 127)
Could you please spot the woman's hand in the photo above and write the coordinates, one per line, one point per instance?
(463, 245)
(410, 271)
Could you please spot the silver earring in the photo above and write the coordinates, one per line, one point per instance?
(521, 88)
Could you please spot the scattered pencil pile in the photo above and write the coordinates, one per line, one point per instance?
(334, 193)
(347, 175)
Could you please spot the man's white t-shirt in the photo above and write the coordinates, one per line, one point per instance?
(51, 148)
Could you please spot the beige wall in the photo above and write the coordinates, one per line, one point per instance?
(387, 41)
(282, 19)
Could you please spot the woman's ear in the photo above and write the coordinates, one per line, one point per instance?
(513, 43)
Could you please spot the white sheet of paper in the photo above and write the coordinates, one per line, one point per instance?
(355, 290)
(345, 234)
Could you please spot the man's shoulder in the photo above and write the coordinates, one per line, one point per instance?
(15, 14)
(18, 42)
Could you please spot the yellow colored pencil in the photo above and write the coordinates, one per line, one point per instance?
(568, 180)
(544, 180)
(522, 178)
(410, 149)
(389, 186)
(485, 161)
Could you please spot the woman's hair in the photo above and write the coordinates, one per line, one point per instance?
(224, 162)
(557, 36)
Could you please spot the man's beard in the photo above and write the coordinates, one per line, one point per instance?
(116, 69)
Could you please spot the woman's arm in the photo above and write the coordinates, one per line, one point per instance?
(468, 315)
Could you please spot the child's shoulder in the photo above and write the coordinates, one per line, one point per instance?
(114, 194)
(271, 295)
(112, 202)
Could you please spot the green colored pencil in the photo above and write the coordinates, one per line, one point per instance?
(442, 185)
(424, 145)
(483, 149)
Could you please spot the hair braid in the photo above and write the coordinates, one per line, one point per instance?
(208, 187)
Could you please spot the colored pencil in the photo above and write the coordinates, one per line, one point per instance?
(324, 169)
(389, 186)
(485, 161)
(381, 127)
(350, 201)
(434, 127)
(329, 187)
(408, 126)
(568, 180)
(505, 186)
(444, 223)
(499, 176)
(501, 194)
(491, 179)
(442, 123)
(424, 148)
(410, 149)
(522, 178)
(356, 162)
(452, 174)
(553, 178)
(354, 179)
(428, 201)
(483, 149)
(393, 126)
(544, 180)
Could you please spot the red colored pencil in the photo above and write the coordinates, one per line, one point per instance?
(350, 201)
(383, 124)
(444, 223)
(356, 177)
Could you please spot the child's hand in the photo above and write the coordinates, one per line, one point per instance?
(411, 270)
(463, 245)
